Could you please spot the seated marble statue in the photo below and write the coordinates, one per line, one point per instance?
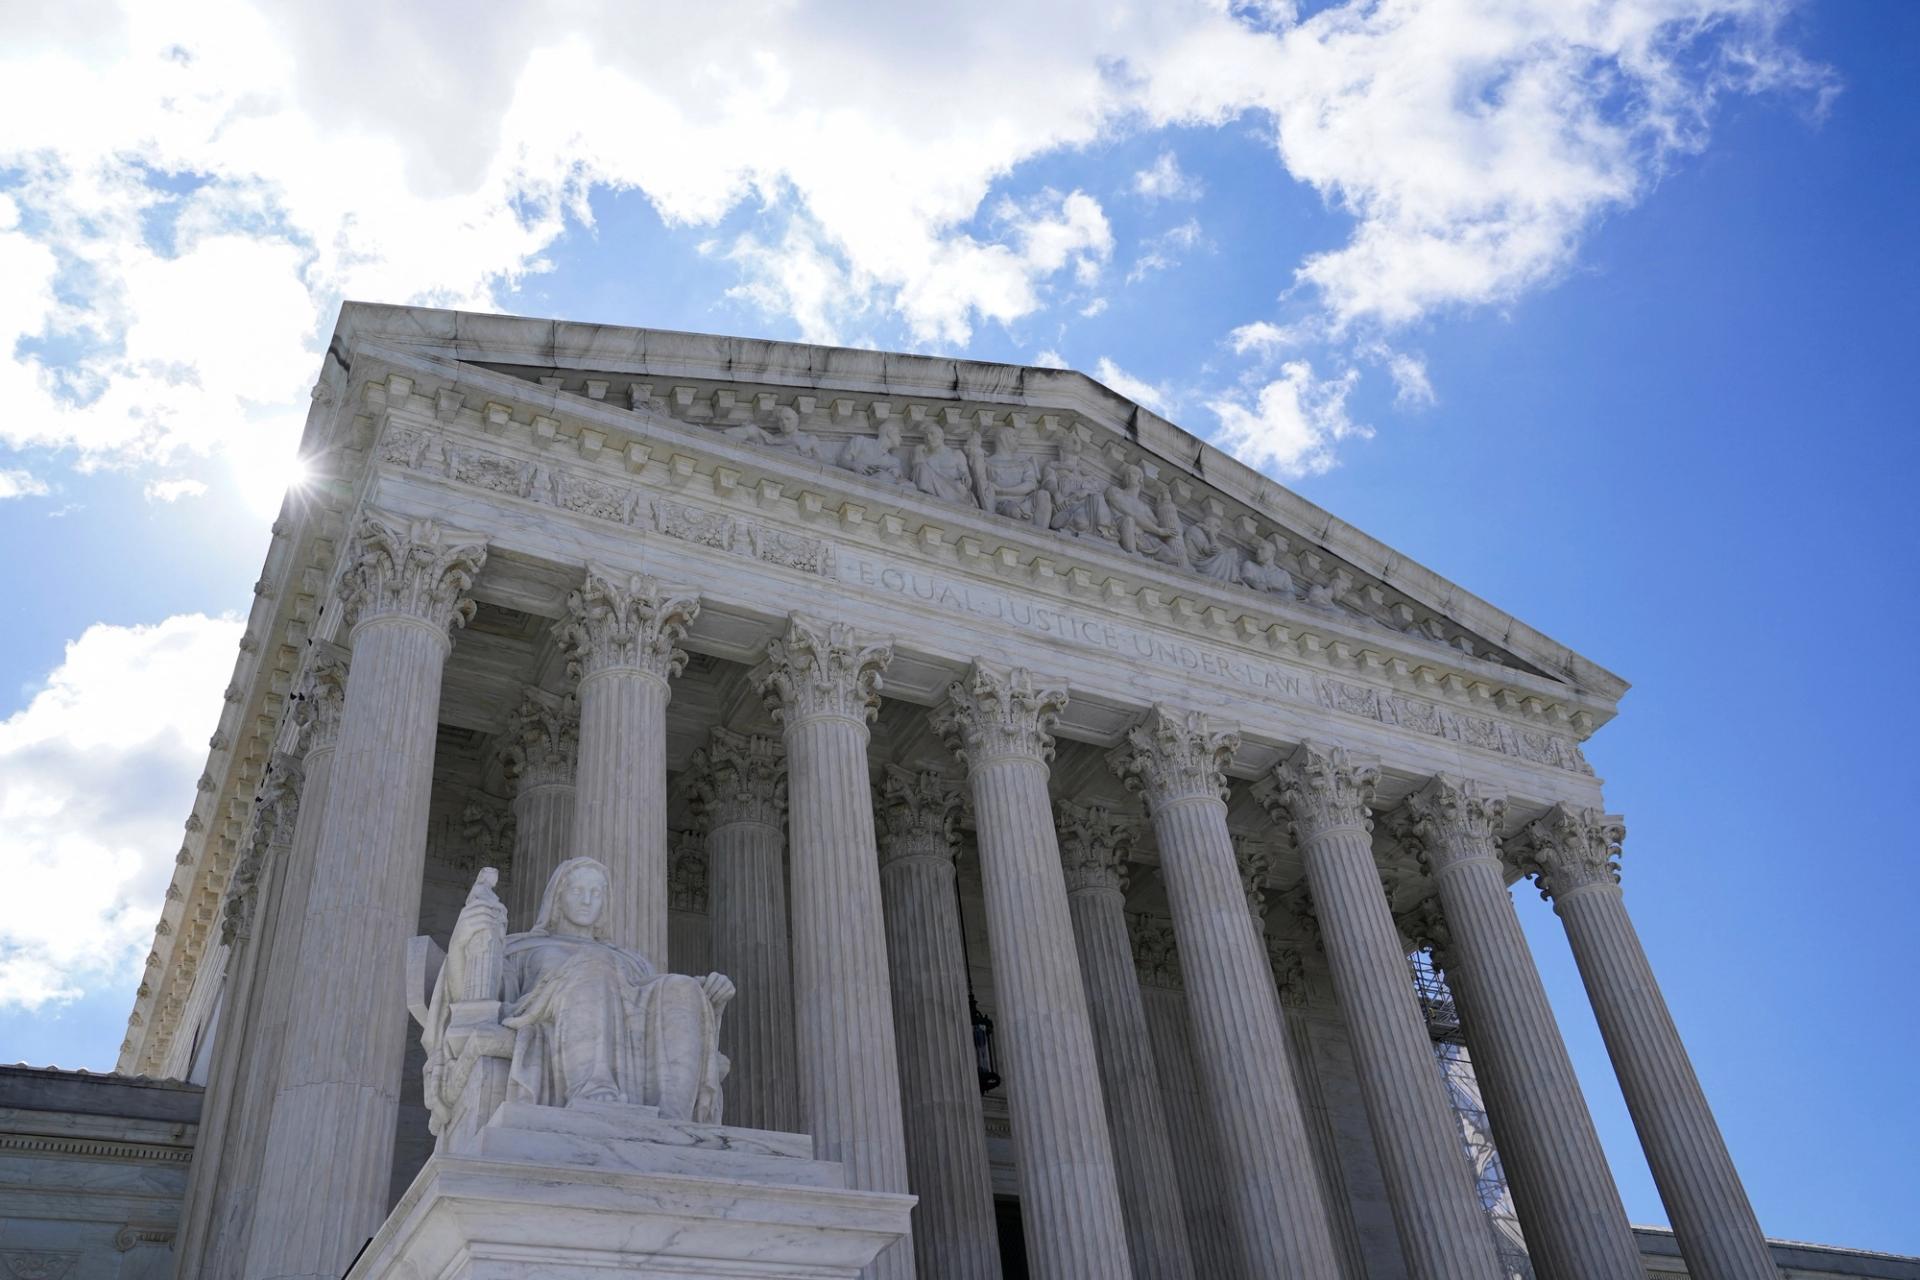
(590, 1021)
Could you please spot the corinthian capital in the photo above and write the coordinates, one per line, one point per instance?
(738, 777)
(1095, 846)
(1174, 755)
(917, 815)
(1452, 821)
(1567, 849)
(541, 744)
(1319, 789)
(1255, 858)
(321, 698)
(1155, 957)
(989, 716)
(275, 810)
(625, 622)
(686, 873)
(398, 568)
(1289, 971)
(822, 669)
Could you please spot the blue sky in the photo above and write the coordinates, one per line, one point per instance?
(1603, 308)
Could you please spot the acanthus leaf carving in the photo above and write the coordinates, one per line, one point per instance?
(1156, 956)
(990, 715)
(687, 873)
(1170, 755)
(1453, 820)
(410, 568)
(1320, 788)
(541, 744)
(822, 669)
(1096, 847)
(321, 699)
(918, 813)
(1569, 848)
(617, 621)
(738, 777)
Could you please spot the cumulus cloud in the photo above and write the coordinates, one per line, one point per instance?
(16, 483)
(1138, 390)
(94, 775)
(1164, 179)
(1292, 423)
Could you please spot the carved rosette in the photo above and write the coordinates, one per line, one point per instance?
(1320, 789)
(486, 832)
(275, 810)
(1155, 956)
(1170, 756)
(1289, 971)
(918, 814)
(321, 699)
(398, 568)
(822, 669)
(541, 745)
(1096, 848)
(1255, 858)
(687, 873)
(1450, 821)
(625, 622)
(1568, 849)
(738, 777)
(989, 716)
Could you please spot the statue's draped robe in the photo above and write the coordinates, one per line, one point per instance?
(595, 1022)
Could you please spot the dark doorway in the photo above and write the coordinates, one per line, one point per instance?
(1013, 1238)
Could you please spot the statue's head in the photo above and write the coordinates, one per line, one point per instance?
(576, 899)
(1005, 439)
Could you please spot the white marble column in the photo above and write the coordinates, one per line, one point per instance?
(739, 787)
(325, 1177)
(1001, 726)
(689, 929)
(1190, 1126)
(1564, 1192)
(619, 635)
(1574, 852)
(253, 895)
(1177, 761)
(539, 751)
(954, 1236)
(821, 681)
(1094, 849)
(1443, 1230)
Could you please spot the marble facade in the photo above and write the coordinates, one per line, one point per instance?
(879, 681)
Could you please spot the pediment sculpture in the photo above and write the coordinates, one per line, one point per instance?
(559, 1015)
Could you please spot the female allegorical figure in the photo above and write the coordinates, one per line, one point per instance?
(595, 1022)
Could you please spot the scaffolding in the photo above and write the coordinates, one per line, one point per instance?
(1470, 1110)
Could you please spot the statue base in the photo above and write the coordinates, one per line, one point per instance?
(591, 1191)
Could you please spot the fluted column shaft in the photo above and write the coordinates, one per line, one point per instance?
(329, 1153)
(822, 682)
(1177, 762)
(1211, 1239)
(1000, 725)
(1568, 1204)
(741, 791)
(954, 1235)
(1714, 1223)
(1094, 848)
(539, 754)
(620, 634)
(1443, 1230)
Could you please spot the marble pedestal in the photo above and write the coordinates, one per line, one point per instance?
(593, 1191)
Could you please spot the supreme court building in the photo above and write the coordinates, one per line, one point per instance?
(1063, 798)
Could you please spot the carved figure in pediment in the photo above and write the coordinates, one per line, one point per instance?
(564, 1014)
(785, 434)
(1079, 495)
(1009, 481)
(941, 470)
(1149, 525)
(874, 457)
(1265, 572)
(1209, 552)
(1329, 594)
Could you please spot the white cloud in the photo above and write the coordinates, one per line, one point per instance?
(1165, 250)
(95, 773)
(174, 490)
(1138, 390)
(1293, 423)
(1093, 308)
(15, 483)
(1263, 337)
(1050, 359)
(1164, 179)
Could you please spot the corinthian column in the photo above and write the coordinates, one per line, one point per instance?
(689, 935)
(539, 751)
(328, 1164)
(1573, 852)
(822, 683)
(619, 635)
(1094, 848)
(954, 1237)
(1565, 1195)
(1001, 727)
(1443, 1230)
(1177, 761)
(739, 786)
